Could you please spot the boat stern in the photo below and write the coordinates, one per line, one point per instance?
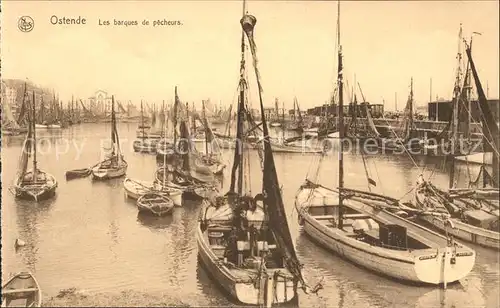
(445, 265)
(273, 290)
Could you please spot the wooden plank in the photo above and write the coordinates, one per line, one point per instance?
(5, 292)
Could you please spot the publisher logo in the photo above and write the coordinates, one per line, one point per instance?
(25, 23)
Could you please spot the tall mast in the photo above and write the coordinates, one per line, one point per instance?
(142, 121)
(34, 140)
(163, 132)
(341, 121)
(283, 121)
(238, 152)
(456, 90)
(206, 128)
(411, 105)
(113, 124)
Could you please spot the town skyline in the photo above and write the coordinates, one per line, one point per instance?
(384, 44)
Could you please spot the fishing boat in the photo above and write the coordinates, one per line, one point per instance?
(34, 184)
(185, 169)
(371, 229)
(403, 140)
(136, 188)
(114, 165)
(212, 156)
(145, 144)
(474, 211)
(22, 290)
(251, 256)
(155, 203)
(298, 123)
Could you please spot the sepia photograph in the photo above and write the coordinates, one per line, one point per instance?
(250, 153)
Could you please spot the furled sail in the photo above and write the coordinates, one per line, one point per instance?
(25, 154)
(191, 164)
(490, 127)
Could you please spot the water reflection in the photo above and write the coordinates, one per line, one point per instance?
(351, 285)
(155, 222)
(101, 244)
(210, 289)
(29, 218)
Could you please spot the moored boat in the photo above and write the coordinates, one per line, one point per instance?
(78, 173)
(245, 246)
(114, 166)
(474, 211)
(371, 230)
(34, 184)
(22, 290)
(155, 203)
(378, 239)
(135, 188)
(48, 126)
(145, 146)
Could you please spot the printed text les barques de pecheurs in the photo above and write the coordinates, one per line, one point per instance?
(57, 20)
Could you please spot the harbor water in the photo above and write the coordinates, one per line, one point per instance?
(91, 239)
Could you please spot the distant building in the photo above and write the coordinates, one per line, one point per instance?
(9, 94)
(271, 114)
(100, 102)
(376, 110)
(442, 110)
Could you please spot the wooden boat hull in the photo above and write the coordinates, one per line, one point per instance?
(108, 173)
(78, 173)
(466, 232)
(424, 266)
(162, 208)
(37, 192)
(461, 230)
(144, 147)
(22, 290)
(277, 148)
(238, 283)
(136, 188)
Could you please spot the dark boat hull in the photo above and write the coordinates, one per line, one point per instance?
(44, 195)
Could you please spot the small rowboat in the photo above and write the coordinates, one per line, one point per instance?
(155, 203)
(22, 290)
(78, 173)
(134, 189)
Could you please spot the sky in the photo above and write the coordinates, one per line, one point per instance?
(384, 44)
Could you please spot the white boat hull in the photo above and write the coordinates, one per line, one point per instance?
(48, 126)
(108, 173)
(477, 158)
(429, 266)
